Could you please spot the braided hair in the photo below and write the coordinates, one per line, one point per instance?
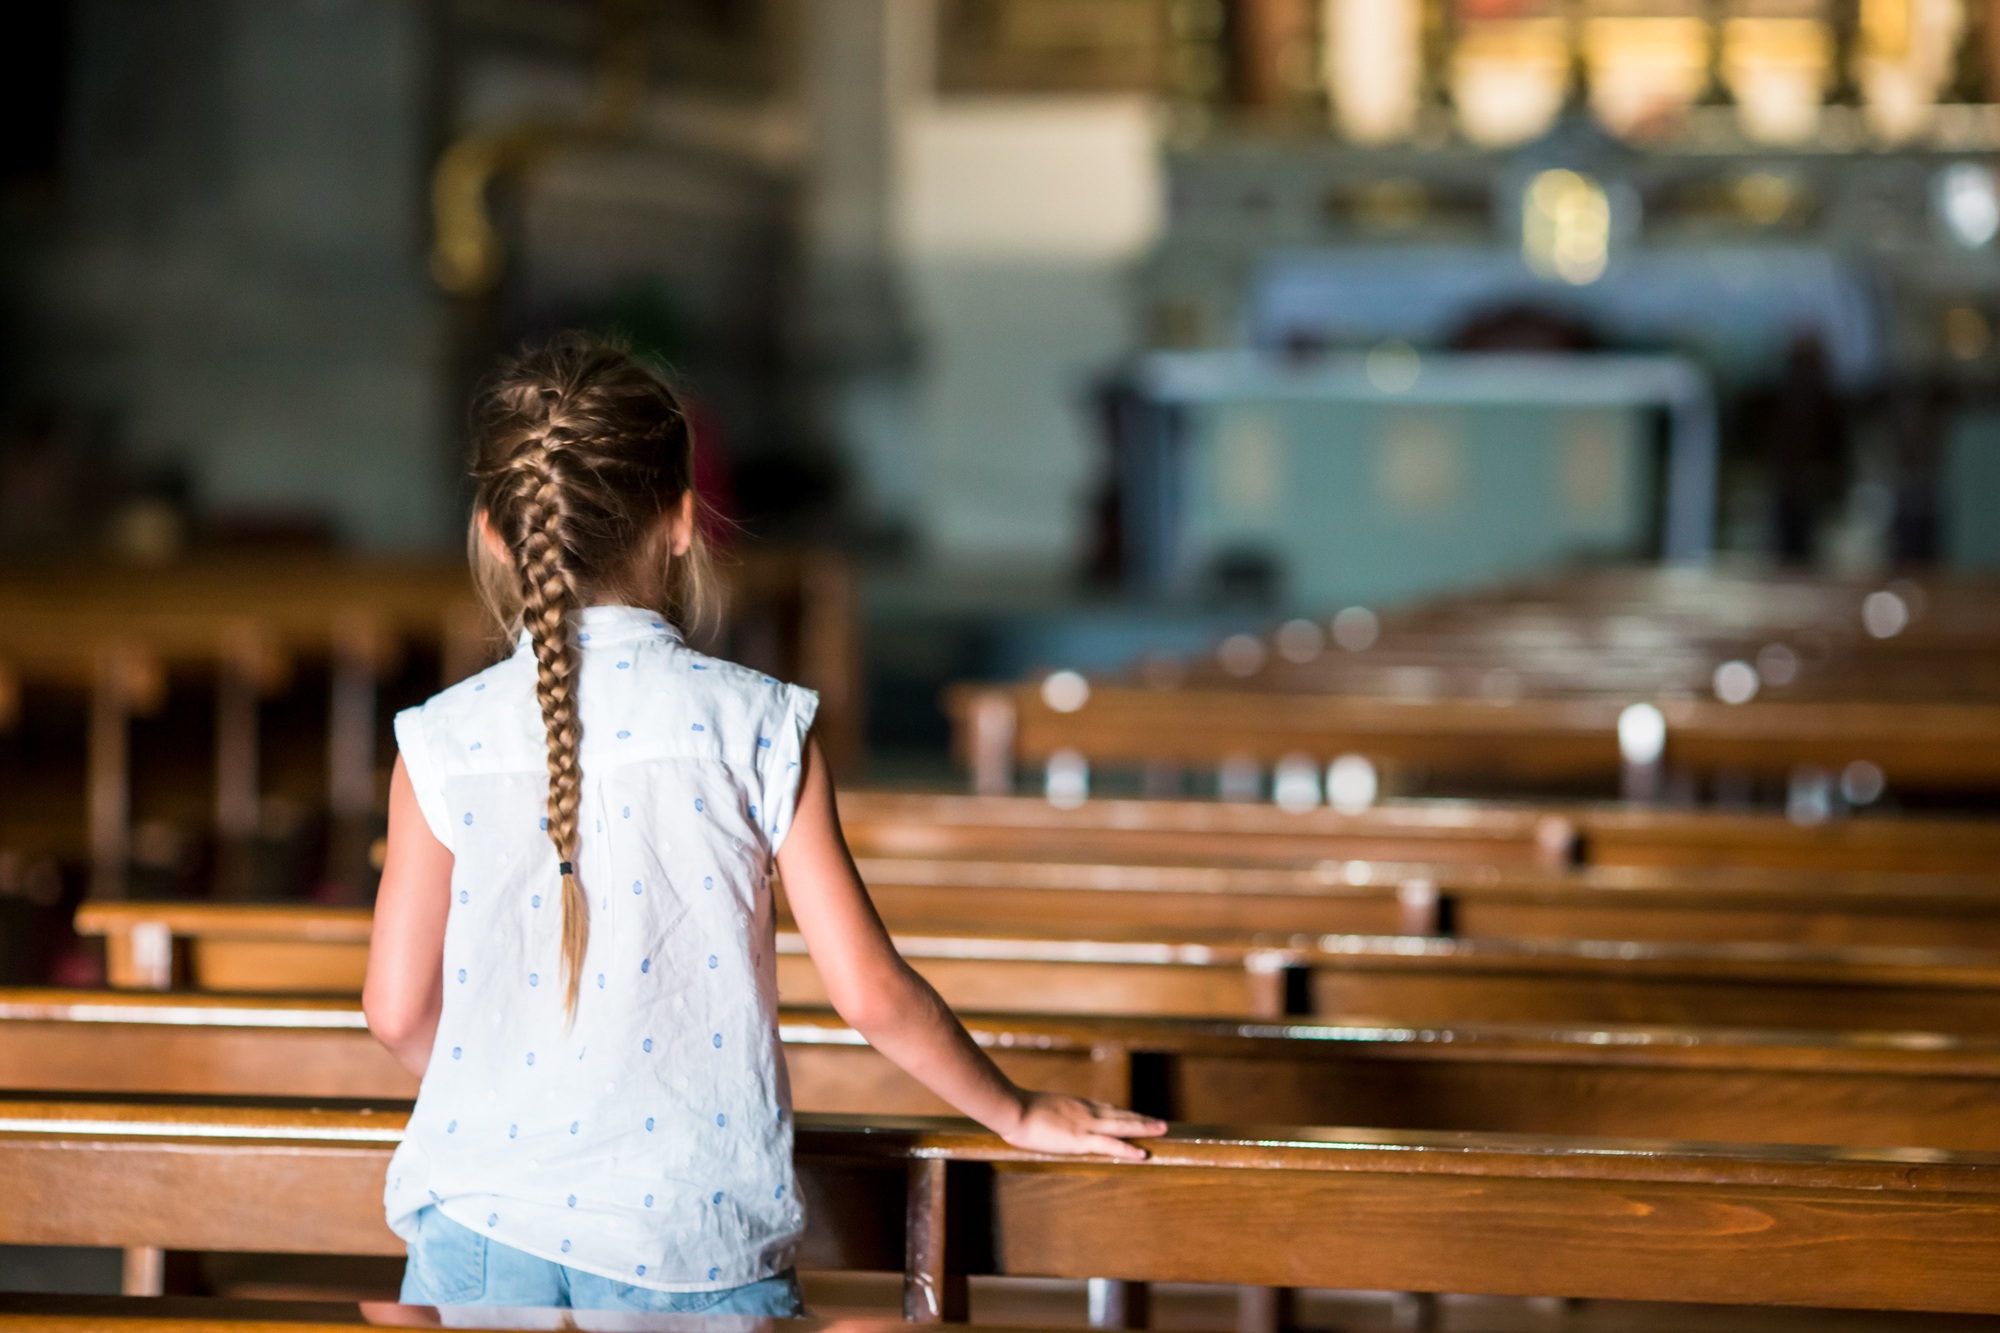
(580, 453)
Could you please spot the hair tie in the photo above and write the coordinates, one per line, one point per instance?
(564, 867)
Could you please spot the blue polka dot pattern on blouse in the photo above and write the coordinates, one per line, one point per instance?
(461, 974)
(464, 897)
(457, 1051)
(624, 735)
(641, 1270)
(637, 888)
(531, 1057)
(714, 1273)
(600, 981)
(513, 1131)
(699, 727)
(480, 686)
(534, 978)
(583, 638)
(468, 817)
(624, 666)
(478, 745)
(452, 1128)
(572, 1201)
(649, 1204)
(493, 1219)
(565, 1247)
(717, 1041)
(654, 849)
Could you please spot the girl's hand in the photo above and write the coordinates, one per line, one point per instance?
(1052, 1122)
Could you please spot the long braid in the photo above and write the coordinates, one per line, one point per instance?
(582, 455)
(549, 597)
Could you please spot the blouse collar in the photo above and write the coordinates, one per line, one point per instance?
(617, 624)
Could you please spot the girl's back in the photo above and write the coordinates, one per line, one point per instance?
(573, 933)
(651, 1138)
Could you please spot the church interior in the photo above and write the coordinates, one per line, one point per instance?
(1410, 586)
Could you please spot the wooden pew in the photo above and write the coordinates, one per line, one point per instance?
(1921, 1090)
(1614, 1219)
(40, 1312)
(1471, 900)
(1919, 745)
(1395, 977)
(1223, 833)
(239, 626)
(1523, 686)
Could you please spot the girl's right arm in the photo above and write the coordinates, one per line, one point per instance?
(404, 993)
(899, 1013)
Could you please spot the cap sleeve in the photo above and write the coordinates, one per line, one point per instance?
(425, 778)
(780, 754)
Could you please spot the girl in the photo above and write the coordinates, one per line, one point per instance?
(573, 943)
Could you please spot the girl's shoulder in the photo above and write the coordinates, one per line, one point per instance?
(645, 695)
(700, 691)
(485, 691)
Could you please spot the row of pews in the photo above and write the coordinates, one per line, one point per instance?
(1739, 680)
(1541, 1048)
(1674, 1156)
(244, 637)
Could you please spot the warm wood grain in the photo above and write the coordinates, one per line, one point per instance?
(1908, 1089)
(1618, 1219)
(1224, 833)
(1917, 744)
(1382, 977)
(1362, 896)
(45, 1313)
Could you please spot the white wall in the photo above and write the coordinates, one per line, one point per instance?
(1016, 222)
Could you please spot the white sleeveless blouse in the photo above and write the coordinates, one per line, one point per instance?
(652, 1141)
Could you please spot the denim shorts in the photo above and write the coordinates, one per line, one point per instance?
(454, 1265)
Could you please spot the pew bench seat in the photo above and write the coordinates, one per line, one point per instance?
(1615, 1219)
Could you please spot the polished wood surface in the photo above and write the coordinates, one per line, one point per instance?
(1402, 1210)
(44, 1313)
(1917, 745)
(1476, 900)
(905, 824)
(1909, 1089)
(1189, 974)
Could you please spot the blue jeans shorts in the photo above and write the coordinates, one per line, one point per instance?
(454, 1265)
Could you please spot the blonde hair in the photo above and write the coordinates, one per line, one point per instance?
(580, 452)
